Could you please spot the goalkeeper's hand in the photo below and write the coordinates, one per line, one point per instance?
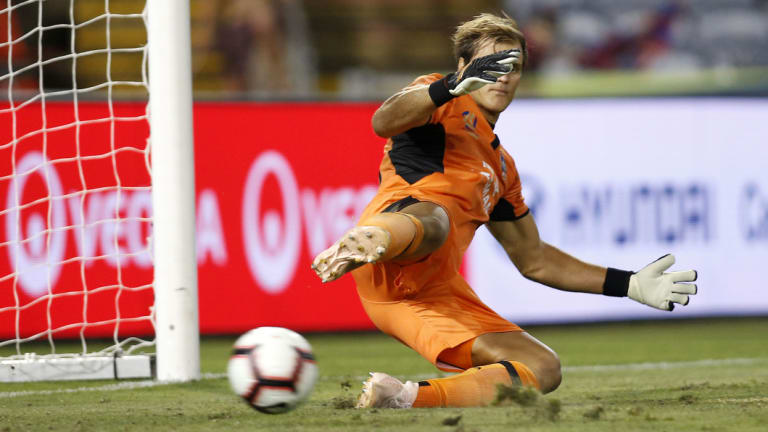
(653, 287)
(482, 71)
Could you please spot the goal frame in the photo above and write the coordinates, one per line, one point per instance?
(177, 357)
(173, 190)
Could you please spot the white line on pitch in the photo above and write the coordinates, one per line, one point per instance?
(129, 385)
(665, 365)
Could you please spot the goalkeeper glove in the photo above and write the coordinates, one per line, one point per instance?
(653, 287)
(480, 72)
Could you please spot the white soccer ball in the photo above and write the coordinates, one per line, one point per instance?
(272, 369)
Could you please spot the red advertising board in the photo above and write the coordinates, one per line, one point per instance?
(276, 184)
(286, 180)
(74, 220)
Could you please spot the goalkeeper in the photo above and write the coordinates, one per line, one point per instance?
(443, 175)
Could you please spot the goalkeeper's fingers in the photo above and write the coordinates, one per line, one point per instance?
(489, 72)
(471, 84)
(685, 288)
(512, 58)
(487, 77)
(676, 298)
(498, 66)
(660, 265)
(498, 61)
(515, 52)
(499, 73)
(502, 67)
(683, 276)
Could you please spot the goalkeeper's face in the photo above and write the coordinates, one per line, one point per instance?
(494, 98)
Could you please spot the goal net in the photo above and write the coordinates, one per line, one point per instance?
(77, 273)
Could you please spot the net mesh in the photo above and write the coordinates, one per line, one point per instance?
(74, 176)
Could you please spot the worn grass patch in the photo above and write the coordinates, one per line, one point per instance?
(530, 399)
(616, 377)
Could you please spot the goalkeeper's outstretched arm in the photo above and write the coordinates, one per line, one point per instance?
(544, 263)
(414, 105)
(404, 110)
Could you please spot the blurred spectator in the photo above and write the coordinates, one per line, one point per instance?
(21, 54)
(54, 46)
(540, 34)
(634, 50)
(659, 35)
(265, 47)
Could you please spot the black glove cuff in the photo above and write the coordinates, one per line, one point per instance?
(616, 282)
(439, 93)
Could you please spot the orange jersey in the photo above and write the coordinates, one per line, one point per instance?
(457, 162)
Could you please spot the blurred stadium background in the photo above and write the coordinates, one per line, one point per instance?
(640, 128)
(349, 50)
(661, 102)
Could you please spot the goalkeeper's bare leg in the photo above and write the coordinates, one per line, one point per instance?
(409, 234)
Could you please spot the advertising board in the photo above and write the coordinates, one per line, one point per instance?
(613, 182)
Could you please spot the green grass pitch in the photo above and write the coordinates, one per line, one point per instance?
(690, 375)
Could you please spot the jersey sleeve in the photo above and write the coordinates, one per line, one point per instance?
(426, 80)
(423, 81)
(511, 205)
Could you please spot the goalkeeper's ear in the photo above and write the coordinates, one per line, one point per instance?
(460, 67)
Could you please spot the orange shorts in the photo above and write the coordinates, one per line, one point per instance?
(431, 319)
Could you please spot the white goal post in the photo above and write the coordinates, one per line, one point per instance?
(55, 235)
(173, 195)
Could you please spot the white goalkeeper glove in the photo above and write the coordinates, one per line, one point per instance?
(653, 287)
(480, 72)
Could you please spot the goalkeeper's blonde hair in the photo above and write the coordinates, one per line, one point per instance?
(471, 34)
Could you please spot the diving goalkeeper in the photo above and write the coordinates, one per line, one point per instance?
(443, 175)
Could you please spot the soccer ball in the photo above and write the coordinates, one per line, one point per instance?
(272, 369)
